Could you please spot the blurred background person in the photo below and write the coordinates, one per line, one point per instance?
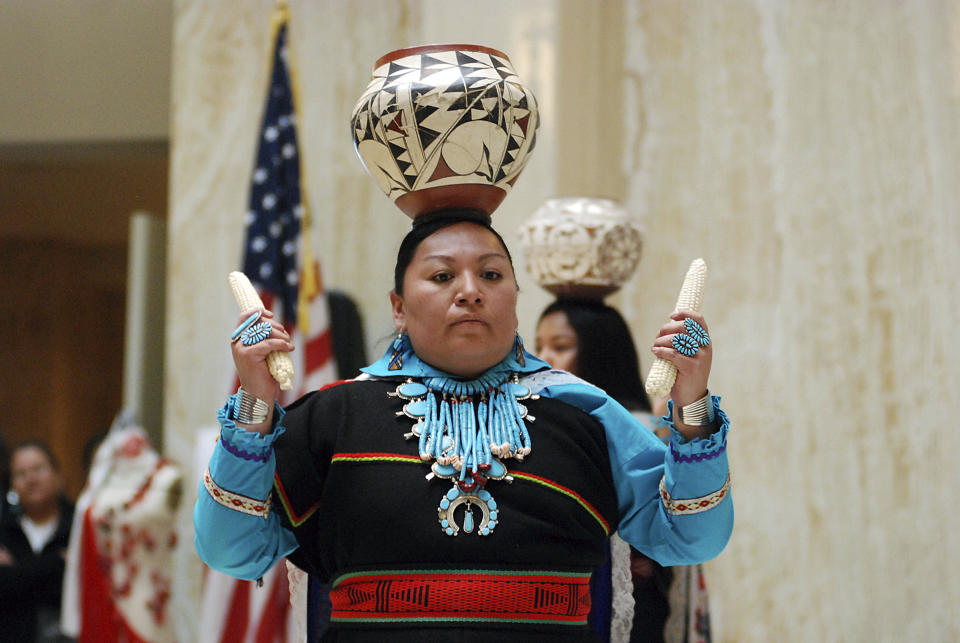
(4, 476)
(33, 538)
(118, 579)
(581, 334)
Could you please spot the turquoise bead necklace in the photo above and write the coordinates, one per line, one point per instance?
(466, 429)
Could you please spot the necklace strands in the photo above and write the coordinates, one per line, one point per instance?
(466, 430)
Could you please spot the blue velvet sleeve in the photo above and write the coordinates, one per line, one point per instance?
(235, 543)
(639, 461)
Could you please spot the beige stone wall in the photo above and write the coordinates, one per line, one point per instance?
(809, 152)
(806, 150)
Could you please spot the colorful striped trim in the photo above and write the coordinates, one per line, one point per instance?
(461, 572)
(234, 501)
(550, 484)
(375, 457)
(295, 519)
(333, 384)
(529, 477)
(693, 505)
(461, 596)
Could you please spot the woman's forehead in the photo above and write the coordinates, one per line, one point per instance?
(461, 241)
(556, 323)
(28, 455)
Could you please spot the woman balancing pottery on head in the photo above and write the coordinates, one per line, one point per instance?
(457, 489)
(582, 250)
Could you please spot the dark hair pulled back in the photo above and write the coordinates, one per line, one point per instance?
(425, 225)
(606, 354)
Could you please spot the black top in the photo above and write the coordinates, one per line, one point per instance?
(352, 508)
(33, 584)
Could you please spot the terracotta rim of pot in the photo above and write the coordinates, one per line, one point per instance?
(481, 196)
(426, 49)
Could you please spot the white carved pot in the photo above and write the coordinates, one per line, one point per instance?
(580, 247)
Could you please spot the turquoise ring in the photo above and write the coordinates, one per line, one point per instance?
(696, 331)
(245, 325)
(256, 333)
(685, 344)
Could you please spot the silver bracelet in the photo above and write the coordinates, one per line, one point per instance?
(699, 413)
(250, 409)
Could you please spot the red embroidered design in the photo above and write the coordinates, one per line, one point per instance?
(230, 500)
(447, 595)
(693, 505)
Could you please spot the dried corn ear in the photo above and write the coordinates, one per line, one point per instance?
(279, 363)
(663, 374)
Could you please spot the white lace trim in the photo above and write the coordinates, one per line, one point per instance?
(298, 582)
(621, 620)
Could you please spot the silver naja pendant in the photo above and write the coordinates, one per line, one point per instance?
(467, 505)
(456, 498)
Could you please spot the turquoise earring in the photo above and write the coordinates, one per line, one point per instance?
(396, 356)
(518, 352)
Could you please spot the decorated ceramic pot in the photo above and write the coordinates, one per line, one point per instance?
(445, 126)
(580, 247)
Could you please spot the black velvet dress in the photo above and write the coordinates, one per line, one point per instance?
(354, 493)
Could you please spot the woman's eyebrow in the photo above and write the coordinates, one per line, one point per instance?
(451, 259)
(446, 258)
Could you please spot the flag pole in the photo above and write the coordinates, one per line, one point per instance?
(310, 285)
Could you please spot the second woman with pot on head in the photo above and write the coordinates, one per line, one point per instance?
(578, 332)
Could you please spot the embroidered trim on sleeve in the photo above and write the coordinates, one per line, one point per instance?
(696, 457)
(244, 454)
(693, 505)
(235, 501)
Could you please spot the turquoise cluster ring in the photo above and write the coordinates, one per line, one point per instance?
(685, 345)
(696, 331)
(256, 333)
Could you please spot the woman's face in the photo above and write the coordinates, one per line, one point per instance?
(557, 342)
(459, 302)
(34, 478)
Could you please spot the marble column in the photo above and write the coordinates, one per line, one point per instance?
(808, 151)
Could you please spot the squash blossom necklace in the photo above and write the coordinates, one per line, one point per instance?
(467, 429)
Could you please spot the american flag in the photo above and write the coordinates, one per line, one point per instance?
(278, 261)
(277, 256)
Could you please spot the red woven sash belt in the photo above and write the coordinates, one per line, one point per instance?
(461, 595)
